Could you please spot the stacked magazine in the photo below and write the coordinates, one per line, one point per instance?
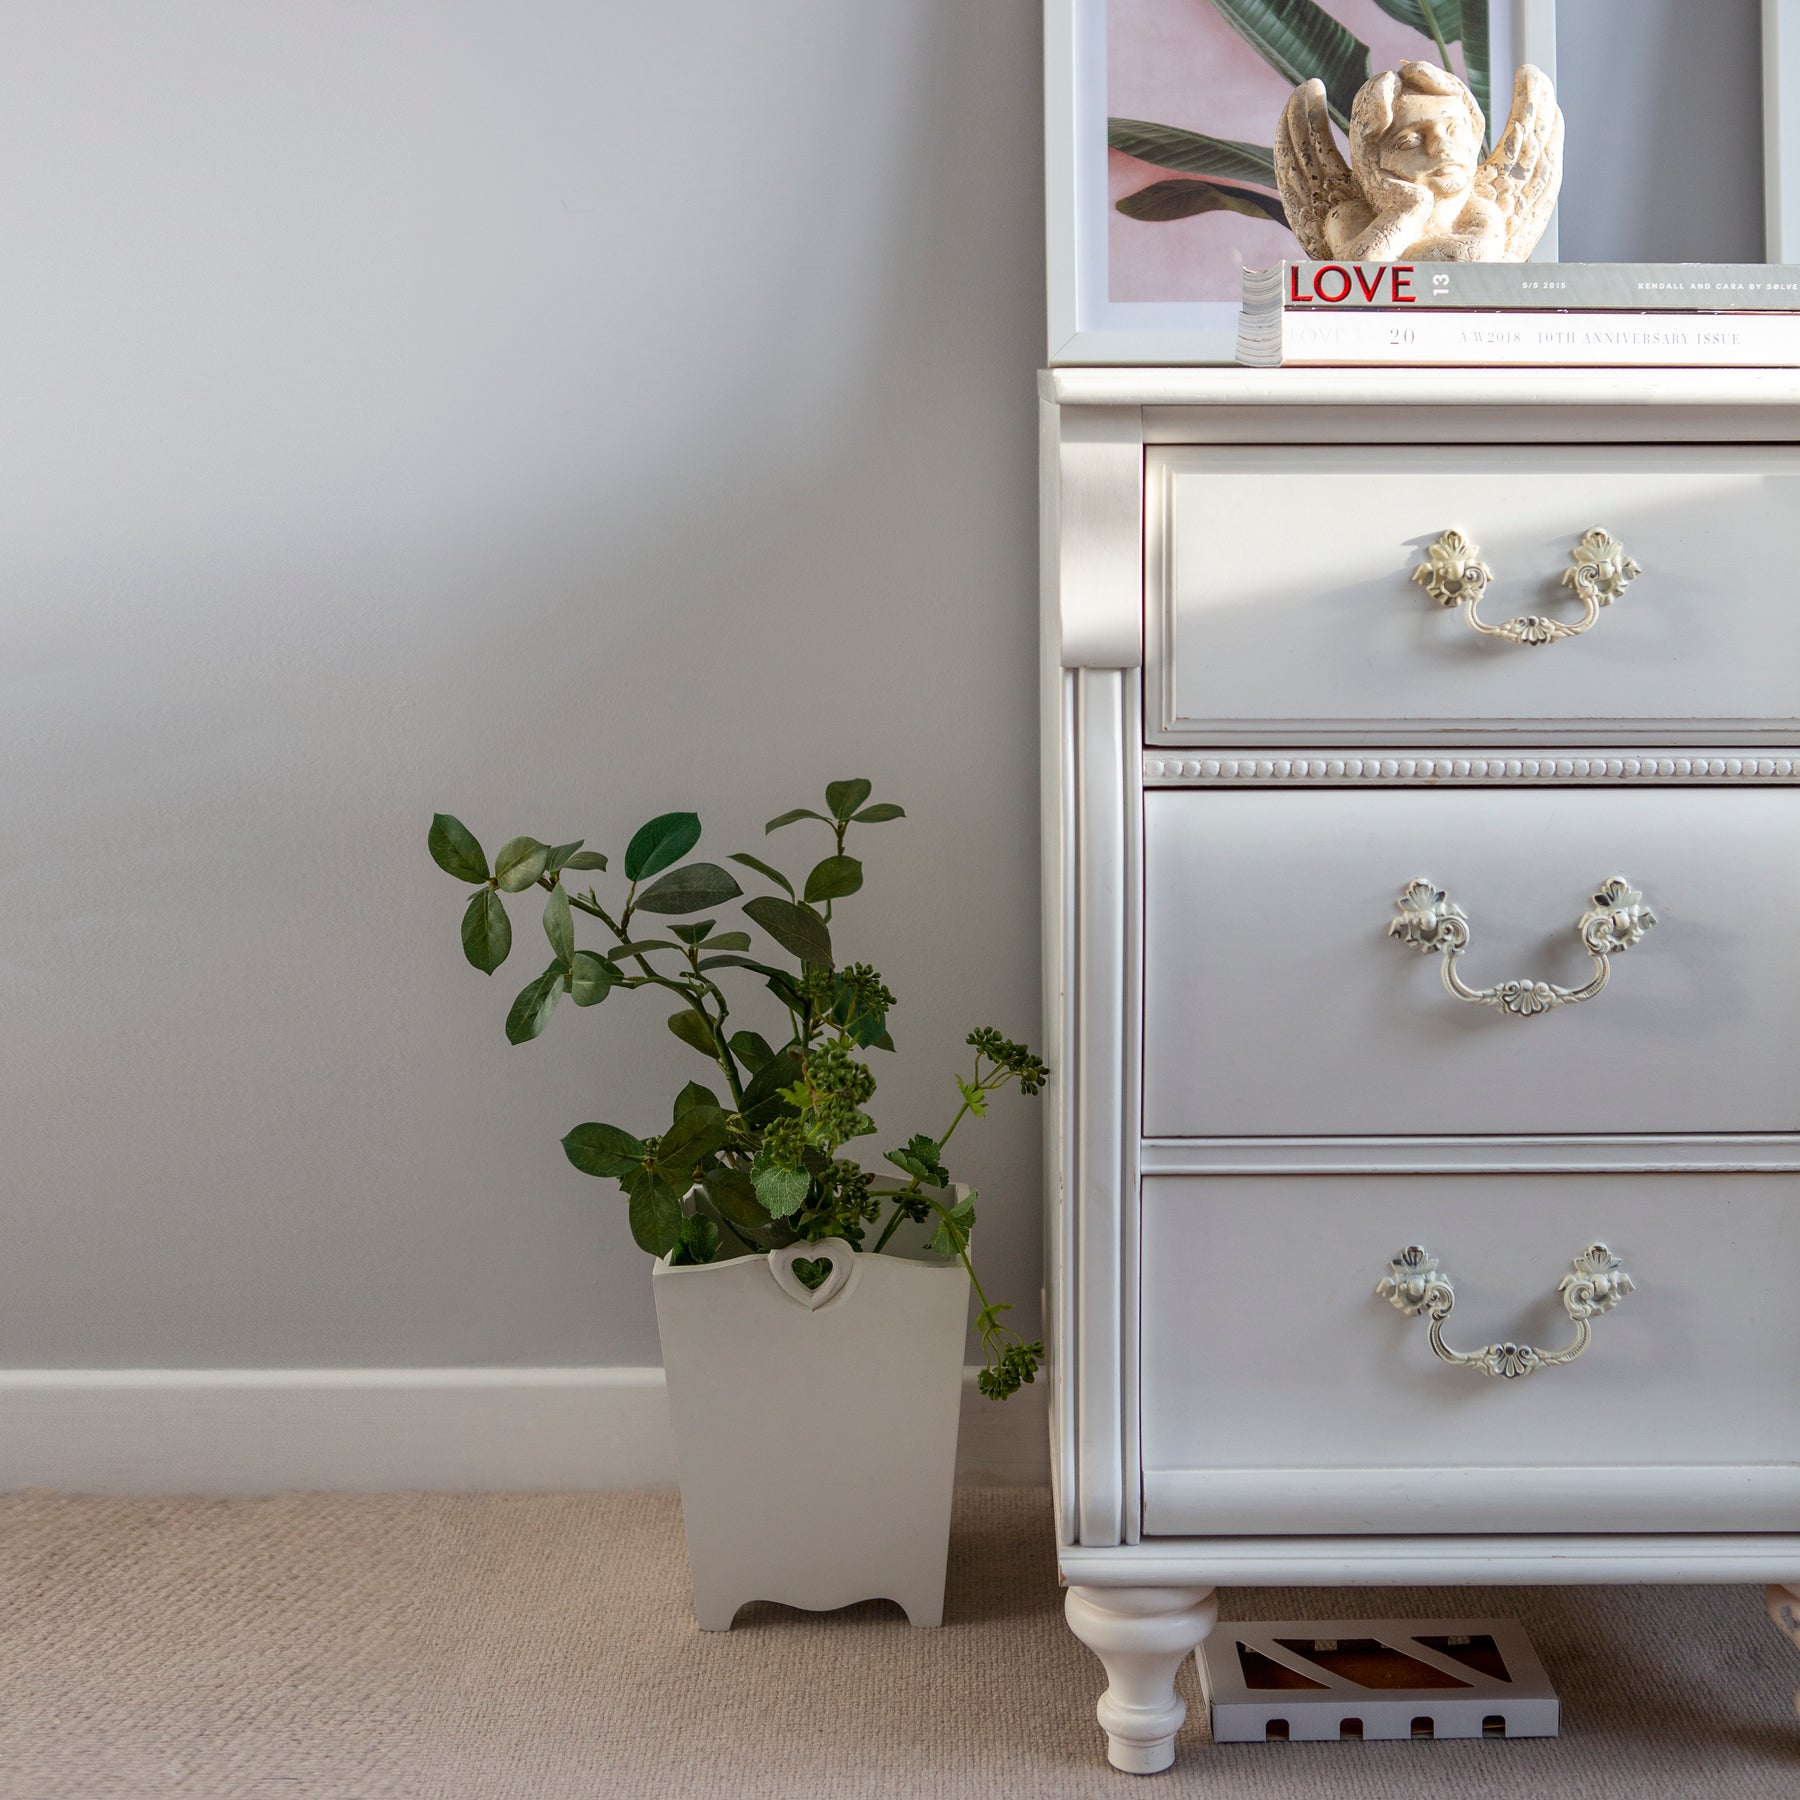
(1536, 315)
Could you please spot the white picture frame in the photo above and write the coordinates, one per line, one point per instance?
(1085, 324)
(1781, 130)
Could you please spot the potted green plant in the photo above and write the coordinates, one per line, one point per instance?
(811, 1309)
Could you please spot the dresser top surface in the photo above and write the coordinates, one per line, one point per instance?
(1757, 388)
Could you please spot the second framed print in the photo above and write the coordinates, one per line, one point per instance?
(1160, 120)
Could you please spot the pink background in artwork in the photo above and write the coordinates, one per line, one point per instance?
(1176, 62)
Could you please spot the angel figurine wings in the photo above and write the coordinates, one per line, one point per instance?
(1415, 189)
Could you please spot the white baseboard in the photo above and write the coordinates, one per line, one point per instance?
(261, 1431)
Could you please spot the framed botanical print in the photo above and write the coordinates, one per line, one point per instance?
(1160, 119)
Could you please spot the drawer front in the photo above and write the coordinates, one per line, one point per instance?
(1281, 1394)
(1282, 609)
(1276, 1003)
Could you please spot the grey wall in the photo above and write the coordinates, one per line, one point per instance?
(554, 413)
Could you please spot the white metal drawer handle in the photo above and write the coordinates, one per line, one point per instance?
(1595, 1284)
(1430, 922)
(1453, 574)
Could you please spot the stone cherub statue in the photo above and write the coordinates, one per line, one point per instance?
(1415, 189)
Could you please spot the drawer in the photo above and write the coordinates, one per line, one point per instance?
(1276, 1003)
(1280, 1394)
(1281, 608)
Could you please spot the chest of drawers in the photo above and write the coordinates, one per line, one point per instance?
(1425, 1164)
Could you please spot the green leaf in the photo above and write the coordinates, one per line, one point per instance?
(519, 862)
(559, 856)
(639, 947)
(763, 868)
(923, 1158)
(1477, 53)
(604, 1150)
(1301, 41)
(884, 1042)
(868, 1029)
(536, 1002)
(782, 1191)
(694, 933)
(695, 1095)
(844, 797)
(787, 818)
(688, 889)
(696, 1134)
(454, 849)
(751, 1050)
(1162, 201)
(797, 929)
(729, 940)
(833, 878)
(586, 859)
(762, 1098)
(693, 1029)
(1446, 13)
(879, 814)
(486, 930)
(733, 1197)
(590, 978)
(696, 1241)
(952, 1234)
(734, 961)
(974, 1097)
(666, 839)
(559, 928)
(1191, 152)
(655, 1210)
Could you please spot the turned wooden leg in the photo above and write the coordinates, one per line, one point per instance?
(1784, 1609)
(1142, 1635)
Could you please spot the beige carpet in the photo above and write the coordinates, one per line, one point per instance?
(320, 1647)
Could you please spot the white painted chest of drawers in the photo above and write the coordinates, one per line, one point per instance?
(1260, 731)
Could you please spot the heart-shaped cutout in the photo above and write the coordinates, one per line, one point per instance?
(813, 1275)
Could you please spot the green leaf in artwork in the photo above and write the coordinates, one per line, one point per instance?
(454, 849)
(604, 1150)
(666, 839)
(519, 862)
(763, 868)
(797, 929)
(844, 797)
(787, 818)
(688, 889)
(694, 932)
(1430, 18)
(694, 1030)
(559, 856)
(879, 814)
(695, 1135)
(729, 940)
(559, 928)
(1162, 201)
(590, 978)
(1191, 152)
(833, 879)
(655, 1210)
(586, 859)
(486, 930)
(1301, 41)
(536, 1002)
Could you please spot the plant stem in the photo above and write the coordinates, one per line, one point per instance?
(1437, 36)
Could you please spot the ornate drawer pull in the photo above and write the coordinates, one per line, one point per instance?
(1595, 1284)
(1430, 922)
(1453, 574)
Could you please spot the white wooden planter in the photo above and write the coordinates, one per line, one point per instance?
(815, 1431)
